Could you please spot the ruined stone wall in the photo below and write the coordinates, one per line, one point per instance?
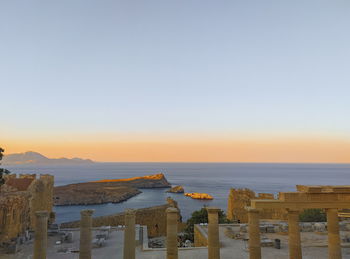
(200, 237)
(239, 199)
(14, 214)
(41, 191)
(154, 218)
(20, 197)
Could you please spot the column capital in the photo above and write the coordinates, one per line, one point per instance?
(213, 209)
(42, 214)
(86, 212)
(172, 210)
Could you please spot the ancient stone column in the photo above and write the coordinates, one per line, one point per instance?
(213, 233)
(334, 248)
(40, 243)
(129, 234)
(171, 233)
(294, 242)
(85, 234)
(254, 234)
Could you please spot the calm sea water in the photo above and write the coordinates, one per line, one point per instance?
(212, 178)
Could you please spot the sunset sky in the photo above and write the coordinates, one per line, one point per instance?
(185, 80)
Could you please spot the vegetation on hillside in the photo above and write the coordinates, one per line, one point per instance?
(201, 216)
(2, 170)
(313, 215)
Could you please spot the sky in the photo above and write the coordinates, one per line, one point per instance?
(194, 80)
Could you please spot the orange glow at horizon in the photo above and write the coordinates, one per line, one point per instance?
(298, 150)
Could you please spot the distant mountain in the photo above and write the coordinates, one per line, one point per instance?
(38, 159)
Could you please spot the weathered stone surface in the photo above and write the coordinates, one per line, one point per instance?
(239, 199)
(320, 227)
(177, 189)
(154, 218)
(20, 198)
(106, 191)
(306, 227)
(14, 214)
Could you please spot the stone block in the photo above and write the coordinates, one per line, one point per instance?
(12, 248)
(343, 226)
(270, 229)
(266, 243)
(243, 228)
(262, 229)
(320, 227)
(278, 229)
(307, 227)
(284, 227)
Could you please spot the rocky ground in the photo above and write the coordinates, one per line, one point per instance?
(230, 249)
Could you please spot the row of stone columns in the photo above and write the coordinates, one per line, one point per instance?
(334, 248)
(40, 244)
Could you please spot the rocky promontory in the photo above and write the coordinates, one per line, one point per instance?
(177, 189)
(106, 191)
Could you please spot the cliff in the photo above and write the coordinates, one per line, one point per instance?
(105, 191)
(79, 194)
(147, 181)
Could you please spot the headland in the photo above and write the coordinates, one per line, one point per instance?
(107, 190)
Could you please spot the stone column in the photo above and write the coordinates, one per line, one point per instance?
(85, 234)
(294, 235)
(213, 233)
(171, 233)
(129, 234)
(334, 248)
(254, 234)
(40, 243)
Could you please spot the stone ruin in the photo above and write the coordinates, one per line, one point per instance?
(20, 197)
(239, 199)
(330, 198)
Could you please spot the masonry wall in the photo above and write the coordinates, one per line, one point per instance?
(154, 218)
(20, 198)
(200, 237)
(239, 199)
(14, 215)
(41, 196)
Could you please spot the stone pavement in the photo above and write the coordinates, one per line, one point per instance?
(231, 249)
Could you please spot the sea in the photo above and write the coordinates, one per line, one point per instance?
(215, 179)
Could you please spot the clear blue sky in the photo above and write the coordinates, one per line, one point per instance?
(175, 66)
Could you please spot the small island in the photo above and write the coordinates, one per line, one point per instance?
(199, 196)
(176, 189)
(106, 191)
